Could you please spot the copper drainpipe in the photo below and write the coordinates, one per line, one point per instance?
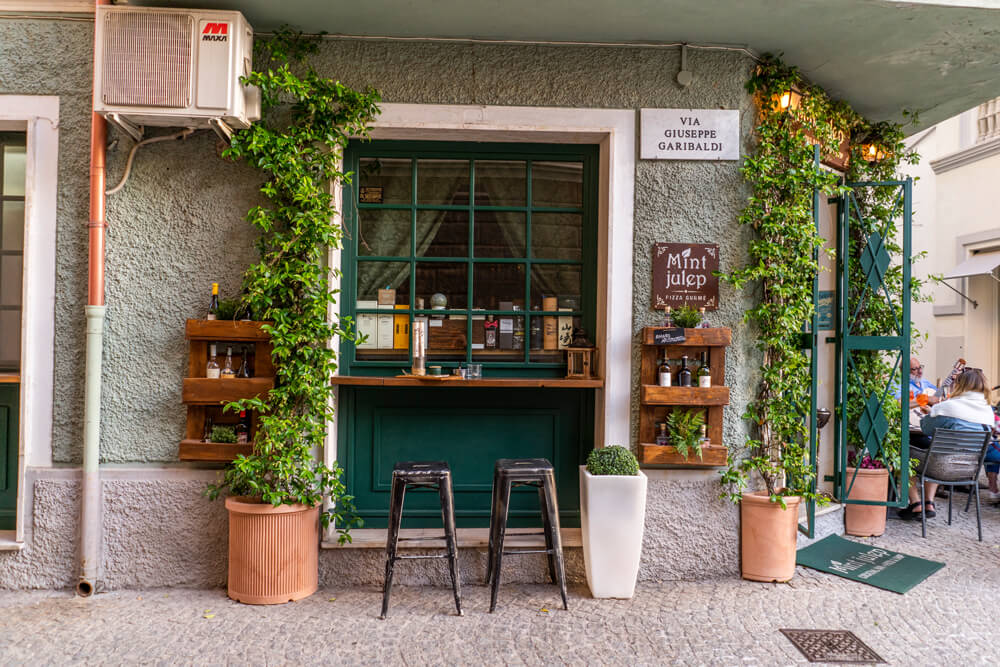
(91, 505)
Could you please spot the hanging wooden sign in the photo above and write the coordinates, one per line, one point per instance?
(683, 274)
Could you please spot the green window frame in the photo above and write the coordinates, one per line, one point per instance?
(474, 153)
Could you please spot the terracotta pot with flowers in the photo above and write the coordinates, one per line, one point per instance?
(866, 480)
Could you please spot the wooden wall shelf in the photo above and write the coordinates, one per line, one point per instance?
(205, 397)
(656, 402)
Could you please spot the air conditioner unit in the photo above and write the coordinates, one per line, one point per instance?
(173, 68)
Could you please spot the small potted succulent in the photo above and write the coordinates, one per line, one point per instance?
(612, 516)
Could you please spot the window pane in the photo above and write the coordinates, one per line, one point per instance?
(557, 184)
(446, 338)
(499, 234)
(383, 232)
(443, 182)
(497, 286)
(500, 183)
(13, 171)
(13, 226)
(10, 280)
(562, 281)
(449, 279)
(10, 338)
(373, 276)
(384, 180)
(557, 236)
(442, 233)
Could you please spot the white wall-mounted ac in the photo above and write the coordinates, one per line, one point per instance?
(173, 68)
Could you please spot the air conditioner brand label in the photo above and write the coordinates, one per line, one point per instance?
(215, 32)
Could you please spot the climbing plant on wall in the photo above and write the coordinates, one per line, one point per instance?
(298, 145)
(793, 116)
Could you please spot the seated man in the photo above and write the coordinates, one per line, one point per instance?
(918, 386)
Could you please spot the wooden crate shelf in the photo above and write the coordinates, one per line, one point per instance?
(656, 401)
(712, 456)
(204, 396)
(653, 394)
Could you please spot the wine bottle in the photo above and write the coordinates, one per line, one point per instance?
(213, 306)
(207, 434)
(704, 372)
(244, 371)
(704, 436)
(212, 367)
(664, 378)
(661, 437)
(227, 368)
(242, 428)
(684, 375)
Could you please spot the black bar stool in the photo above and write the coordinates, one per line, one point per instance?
(421, 475)
(509, 473)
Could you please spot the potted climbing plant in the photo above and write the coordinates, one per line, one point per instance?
(612, 518)
(275, 493)
(782, 265)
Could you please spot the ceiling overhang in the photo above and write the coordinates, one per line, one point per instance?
(882, 56)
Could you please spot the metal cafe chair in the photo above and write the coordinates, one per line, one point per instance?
(954, 459)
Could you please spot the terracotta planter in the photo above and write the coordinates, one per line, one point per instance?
(273, 551)
(866, 520)
(767, 537)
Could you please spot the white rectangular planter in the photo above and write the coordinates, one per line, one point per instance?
(612, 516)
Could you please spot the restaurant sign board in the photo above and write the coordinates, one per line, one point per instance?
(689, 134)
(683, 273)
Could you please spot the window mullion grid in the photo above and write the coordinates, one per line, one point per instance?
(527, 263)
(413, 259)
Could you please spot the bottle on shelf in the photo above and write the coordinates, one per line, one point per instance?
(213, 306)
(703, 324)
(663, 375)
(661, 435)
(517, 342)
(244, 370)
(704, 372)
(684, 374)
(668, 317)
(227, 368)
(212, 367)
(242, 428)
(536, 330)
(491, 327)
(704, 436)
(207, 433)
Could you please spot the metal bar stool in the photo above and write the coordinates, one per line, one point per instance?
(510, 473)
(421, 475)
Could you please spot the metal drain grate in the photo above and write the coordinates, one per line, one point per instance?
(832, 646)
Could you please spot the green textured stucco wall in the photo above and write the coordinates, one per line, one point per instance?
(178, 225)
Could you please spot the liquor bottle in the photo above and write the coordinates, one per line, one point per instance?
(227, 368)
(490, 327)
(668, 318)
(704, 436)
(703, 324)
(661, 436)
(664, 378)
(207, 434)
(536, 330)
(244, 371)
(242, 428)
(684, 375)
(517, 342)
(704, 372)
(213, 306)
(212, 367)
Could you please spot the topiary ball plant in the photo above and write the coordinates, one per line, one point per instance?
(613, 460)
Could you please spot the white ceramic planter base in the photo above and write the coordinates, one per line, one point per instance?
(612, 517)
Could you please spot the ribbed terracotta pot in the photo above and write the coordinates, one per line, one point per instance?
(866, 520)
(273, 551)
(767, 537)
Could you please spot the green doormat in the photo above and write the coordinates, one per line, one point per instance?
(870, 565)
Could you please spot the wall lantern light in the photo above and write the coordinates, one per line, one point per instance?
(788, 100)
(872, 152)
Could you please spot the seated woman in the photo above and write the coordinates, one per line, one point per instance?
(968, 409)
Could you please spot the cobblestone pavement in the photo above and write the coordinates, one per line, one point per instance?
(722, 622)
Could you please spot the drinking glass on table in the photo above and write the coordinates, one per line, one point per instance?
(474, 372)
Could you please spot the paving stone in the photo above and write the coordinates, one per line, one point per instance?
(713, 622)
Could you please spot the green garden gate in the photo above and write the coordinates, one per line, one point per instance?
(872, 311)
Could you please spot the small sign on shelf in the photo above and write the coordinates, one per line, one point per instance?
(668, 336)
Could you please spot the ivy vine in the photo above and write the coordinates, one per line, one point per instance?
(783, 262)
(308, 120)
